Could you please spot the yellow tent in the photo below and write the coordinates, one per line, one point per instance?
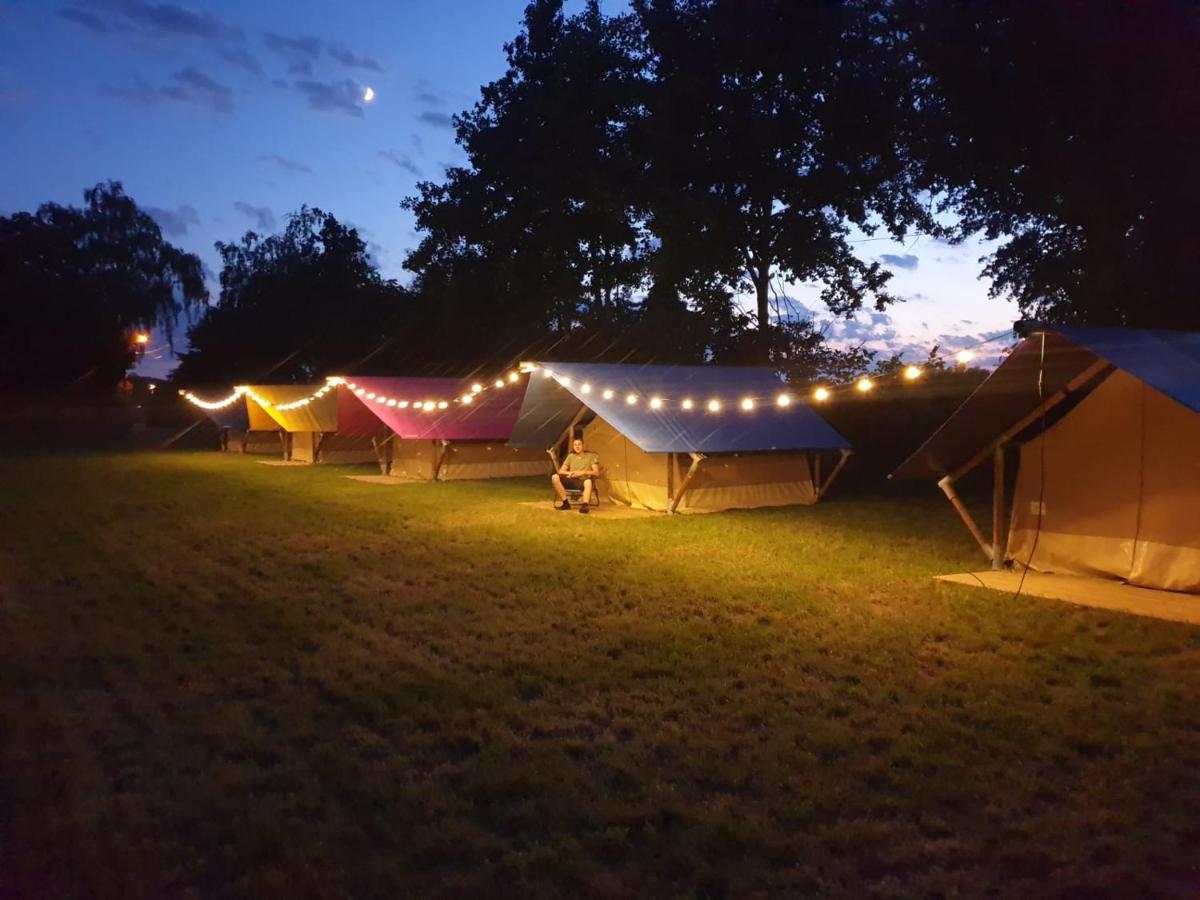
(311, 428)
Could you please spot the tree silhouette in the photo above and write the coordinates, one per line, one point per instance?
(1071, 131)
(79, 282)
(293, 306)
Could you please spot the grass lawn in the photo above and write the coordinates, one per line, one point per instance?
(224, 679)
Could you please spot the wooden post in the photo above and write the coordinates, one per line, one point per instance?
(318, 440)
(947, 486)
(670, 474)
(697, 458)
(845, 457)
(998, 508)
(383, 452)
(439, 457)
(814, 457)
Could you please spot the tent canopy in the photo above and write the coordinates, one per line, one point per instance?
(318, 415)
(489, 417)
(1168, 361)
(552, 402)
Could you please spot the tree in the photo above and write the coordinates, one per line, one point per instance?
(293, 307)
(767, 131)
(1070, 129)
(78, 283)
(534, 241)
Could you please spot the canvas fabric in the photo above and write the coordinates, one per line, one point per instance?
(346, 449)
(1121, 494)
(633, 477)
(492, 459)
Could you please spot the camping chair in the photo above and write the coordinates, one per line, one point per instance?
(575, 495)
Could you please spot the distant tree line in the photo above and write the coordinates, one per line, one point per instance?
(630, 177)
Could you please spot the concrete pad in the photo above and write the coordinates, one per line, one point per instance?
(603, 511)
(1099, 593)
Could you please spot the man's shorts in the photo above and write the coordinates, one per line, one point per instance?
(570, 483)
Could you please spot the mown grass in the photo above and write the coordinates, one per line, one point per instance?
(224, 679)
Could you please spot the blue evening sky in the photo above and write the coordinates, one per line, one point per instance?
(222, 116)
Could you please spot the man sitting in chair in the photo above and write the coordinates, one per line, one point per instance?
(576, 474)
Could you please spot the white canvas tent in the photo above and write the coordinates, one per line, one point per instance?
(1107, 454)
(685, 438)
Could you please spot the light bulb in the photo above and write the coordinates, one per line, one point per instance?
(608, 395)
(687, 404)
(442, 404)
(476, 388)
(631, 399)
(371, 395)
(585, 388)
(783, 400)
(821, 394)
(499, 382)
(714, 406)
(863, 385)
(513, 376)
(656, 402)
(467, 398)
(403, 404)
(747, 404)
(964, 356)
(912, 373)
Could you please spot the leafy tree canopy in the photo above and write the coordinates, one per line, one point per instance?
(79, 282)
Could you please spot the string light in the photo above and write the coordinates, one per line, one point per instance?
(476, 388)
(499, 382)
(608, 395)
(687, 404)
(821, 394)
(468, 398)
(783, 400)
(512, 377)
(656, 403)
(714, 406)
(631, 399)
(442, 404)
(585, 388)
(964, 356)
(863, 384)
(912, 373)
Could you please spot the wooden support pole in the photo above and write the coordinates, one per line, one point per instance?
(384, 452)
(697, 458)
(1025, 421)
(998, 508)
(947, 486)
(439, 457)
(814, 465)
(845, 457)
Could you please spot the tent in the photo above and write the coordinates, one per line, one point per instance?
(685, 438)
(317, 425)
(421, 428)
(234, 431)
(1106, 453)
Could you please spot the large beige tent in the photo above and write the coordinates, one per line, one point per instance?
(323, 429)
(1107, 455)
(684, 438)
(421, 429)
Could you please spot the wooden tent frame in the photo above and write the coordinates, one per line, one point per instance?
(994, 550)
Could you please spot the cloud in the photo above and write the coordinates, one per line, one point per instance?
(436, 119)
(346, 57)
(171, 20)
(174, 222)
(287, 165)
(907, 261)
(242, 59)
(418, 144)
(335, 96)
(82, 17)
(425, 93)
(262, 215)
(193, 86)
(190, 86)
(299, 52)
(402, 160)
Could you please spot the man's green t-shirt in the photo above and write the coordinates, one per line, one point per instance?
(581, 462)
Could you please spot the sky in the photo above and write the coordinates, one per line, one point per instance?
(221, 117)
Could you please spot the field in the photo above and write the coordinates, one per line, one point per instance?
(224, 679)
